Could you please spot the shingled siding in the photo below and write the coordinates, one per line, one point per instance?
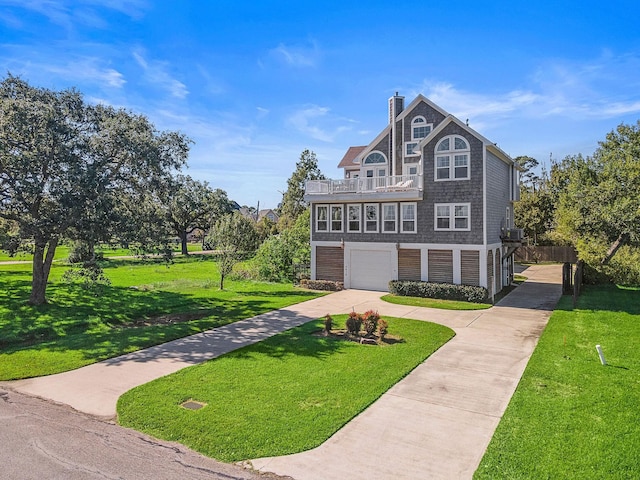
(498, 196)
(453, 191)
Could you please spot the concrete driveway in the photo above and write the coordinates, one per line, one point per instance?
(436, 423)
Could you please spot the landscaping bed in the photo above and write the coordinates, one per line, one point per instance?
(284, 395)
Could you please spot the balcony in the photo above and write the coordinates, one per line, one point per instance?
(395, 187)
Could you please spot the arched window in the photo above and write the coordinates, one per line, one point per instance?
(374, 165)
(420, 128)
(375, 158)
(452, 159)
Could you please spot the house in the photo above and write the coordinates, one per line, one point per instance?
(270, 214)
(428, 199)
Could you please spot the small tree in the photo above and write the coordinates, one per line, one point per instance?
(235, 238)
(278, 253)
(293, 203)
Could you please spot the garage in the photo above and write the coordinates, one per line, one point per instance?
(370, 270)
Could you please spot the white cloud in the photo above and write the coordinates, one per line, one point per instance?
(155, 72)
(297, 56)
(316, 122)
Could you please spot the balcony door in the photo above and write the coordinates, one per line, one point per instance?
(374, 169)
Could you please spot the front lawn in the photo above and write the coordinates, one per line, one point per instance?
(571, 417)
(283, 395)
(434, 303)
(146, 304)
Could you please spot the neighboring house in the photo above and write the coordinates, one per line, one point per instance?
(270, 214)
(266, 212)
(428, 199)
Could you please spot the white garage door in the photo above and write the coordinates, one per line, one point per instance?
(370, 270)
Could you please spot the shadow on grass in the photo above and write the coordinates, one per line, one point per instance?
(75, 314)
(609, 298)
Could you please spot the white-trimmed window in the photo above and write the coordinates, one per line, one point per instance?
(336, 218)
(420, 128)
(353, 218)
(410, 149)
(453, 216)
(408, 214)
(452, 159)
(371, 217)
(389, 218)
(322, 218)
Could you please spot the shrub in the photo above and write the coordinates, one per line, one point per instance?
(444, 291)
(354, 323)
(383, 328)
(328, 323)
(370, 321)
(322, 285)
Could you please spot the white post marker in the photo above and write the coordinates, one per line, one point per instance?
(602, 360)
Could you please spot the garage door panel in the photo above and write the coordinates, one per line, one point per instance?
(370, 269)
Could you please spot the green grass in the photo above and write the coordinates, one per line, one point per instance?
(62, 252)
(284, 395)
(77, 327)
(571, 417)
(434, 303)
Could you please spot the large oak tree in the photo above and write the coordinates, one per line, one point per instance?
(73, 170)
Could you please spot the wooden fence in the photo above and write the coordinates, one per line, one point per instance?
(530, 254)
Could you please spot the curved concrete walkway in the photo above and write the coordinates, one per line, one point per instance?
(436, 423)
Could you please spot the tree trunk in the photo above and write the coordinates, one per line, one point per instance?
(221, 281)
(622, 240)
(183, 240)
(41, 268)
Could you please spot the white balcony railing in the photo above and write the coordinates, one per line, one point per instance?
(394, 183)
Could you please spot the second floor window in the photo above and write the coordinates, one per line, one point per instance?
(452, 216)
(408, 212)
(353, 218)
(336, 218)
(322, 218)
(389, 218)
(371, 218)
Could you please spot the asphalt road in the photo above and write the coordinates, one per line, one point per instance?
(42, 440)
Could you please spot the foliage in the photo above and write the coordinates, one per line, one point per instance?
(90, 276)
(293, 203)
(353, 323)
(146, 304)
(235, 238)
(571, 417)
(283, 395)
(277, 254)
(71, 170)
(445, 291)
(599, 207)
(370, 321)
(434, 303)
(383, 328)
(191, 204)
(327, 323)
(328, 285)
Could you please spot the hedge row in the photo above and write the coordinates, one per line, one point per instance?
(444, 291)
(321, 285)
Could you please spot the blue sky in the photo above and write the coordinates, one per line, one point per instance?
(254, 83)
